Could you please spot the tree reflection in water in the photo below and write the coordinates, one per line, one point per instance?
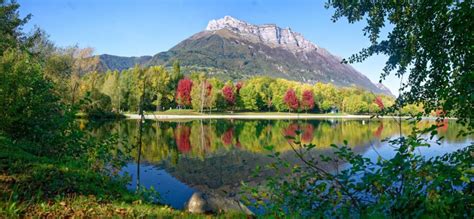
(181, 135)
(217, 155)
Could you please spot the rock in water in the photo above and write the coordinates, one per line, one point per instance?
(210, 203)
(198, 203)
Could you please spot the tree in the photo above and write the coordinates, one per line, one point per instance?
(307, 100)
(430, 45)
(265, 94)
(355, 104)
(183, 92)
(29, 107)
(228, 93)
(208, 101)
(159, 83)
(138, 79)
(238, 100)
(249, 97)
(11, 24)
(111, 88)
(378, 101)
(176, 75)
(291, 100)
(82, 62)
(201, 94)
(278, 90)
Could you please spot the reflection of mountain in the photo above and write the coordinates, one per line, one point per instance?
(222, 174)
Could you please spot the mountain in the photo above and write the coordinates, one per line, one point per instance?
(383, 88)
(120, 62)
(233, 49)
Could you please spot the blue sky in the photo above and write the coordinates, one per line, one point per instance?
(146, 27)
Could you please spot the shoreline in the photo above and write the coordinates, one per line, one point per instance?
(262, 116)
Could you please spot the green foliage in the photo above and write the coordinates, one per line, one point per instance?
(430, 44)
(354, 104)
(43, 154)
(30, 109)
(10, 28)
(111, 88)
(249, 97)
(406, 184)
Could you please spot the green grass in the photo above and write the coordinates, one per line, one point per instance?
(176, 112)
(92, 207)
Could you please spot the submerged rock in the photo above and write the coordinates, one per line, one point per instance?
(209, 203)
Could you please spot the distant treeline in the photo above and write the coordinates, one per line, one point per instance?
(164, 89)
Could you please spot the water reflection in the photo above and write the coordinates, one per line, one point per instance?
(215, 156)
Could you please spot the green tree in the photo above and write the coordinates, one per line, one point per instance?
(111, 88)
(11, 24)
(278, 90)
(29, 107)
(137, 83)
(265, 94)
(160, 81)
(199, 94)
(249, 97)
(430, 44)
(355, 104)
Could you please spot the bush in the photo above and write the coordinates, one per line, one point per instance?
(30, 108)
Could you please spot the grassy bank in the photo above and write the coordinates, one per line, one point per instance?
(36, 186)
(192, 112)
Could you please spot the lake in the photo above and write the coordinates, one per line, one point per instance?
(179, 158)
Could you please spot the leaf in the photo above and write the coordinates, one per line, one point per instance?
(269, 147)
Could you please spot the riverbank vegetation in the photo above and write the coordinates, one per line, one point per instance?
(48, 166)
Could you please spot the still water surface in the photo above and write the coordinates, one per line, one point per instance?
(179, 158)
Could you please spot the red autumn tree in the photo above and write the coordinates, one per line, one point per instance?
(183, 92)
(307, 100)
(228, 93)
(291, 100)
(378, 101)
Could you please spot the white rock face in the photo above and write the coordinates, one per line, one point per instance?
(269, 34)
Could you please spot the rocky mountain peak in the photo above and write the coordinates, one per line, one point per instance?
(270, 34)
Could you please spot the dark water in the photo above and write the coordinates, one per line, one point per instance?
(215, 156)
